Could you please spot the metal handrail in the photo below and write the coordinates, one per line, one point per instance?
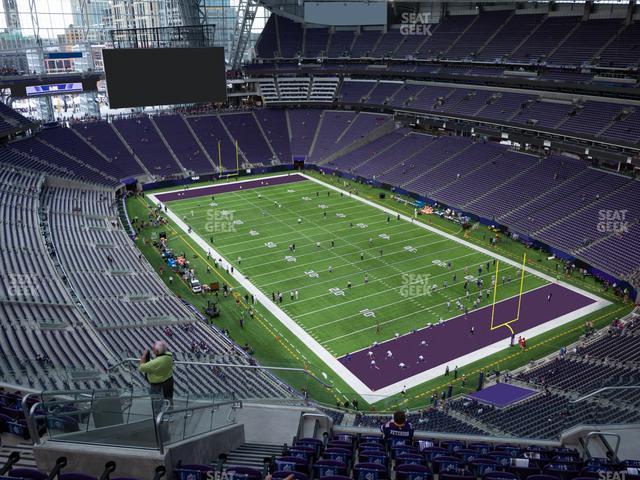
(595, 392)
(166, 409)
(231, 365)
(602, 436)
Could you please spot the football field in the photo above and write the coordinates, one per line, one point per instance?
(349, 276)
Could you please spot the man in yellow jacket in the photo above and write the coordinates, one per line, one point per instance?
(159, 371)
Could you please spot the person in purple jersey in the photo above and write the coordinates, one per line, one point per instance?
(398, 430)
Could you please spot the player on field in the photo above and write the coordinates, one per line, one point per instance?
(420, 359)
(388, 355)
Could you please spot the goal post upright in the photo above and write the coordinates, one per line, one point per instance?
(524, 263)
(495, 295)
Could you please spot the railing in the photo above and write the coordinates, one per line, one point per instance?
(125, 418)
(267, 368)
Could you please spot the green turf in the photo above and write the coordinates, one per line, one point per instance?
(273, 345)
(253, 229)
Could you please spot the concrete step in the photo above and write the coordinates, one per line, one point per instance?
(252, 455)
(26, 454)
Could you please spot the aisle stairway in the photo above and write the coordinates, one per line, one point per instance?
(252, 455)
(10, 444)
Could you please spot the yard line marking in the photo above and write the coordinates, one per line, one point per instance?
(373, 295)
(351, 252)
(324, 240)
(412, 259)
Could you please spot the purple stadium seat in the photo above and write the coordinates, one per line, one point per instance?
(291, 464)
(343, 437)
(192, 472)
(335, 477)
(482, 448)
(401, 449)
(524, 467)
(464, 475)
(328, 468)
(446, 463)
(76, 476)
(432, 452)
(370, 439)
(409, 459)
(311, 442)
(302, 451)
(495, 475)
(542, 477)
(483, 466)
(296, 475)
(379, 457)
(565, 471)
(370, 446)
(503, 458)
(467, 454)
(452, 445)
(28, 473)
(370, 471)
(244, 473)
(413, 472)
(339, 454)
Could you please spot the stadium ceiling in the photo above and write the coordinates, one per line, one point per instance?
(296, 9)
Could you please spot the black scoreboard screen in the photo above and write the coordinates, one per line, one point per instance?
(140, 77)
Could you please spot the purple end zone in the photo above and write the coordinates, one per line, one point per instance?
(502, 394)
(229, 187)
(453, 339)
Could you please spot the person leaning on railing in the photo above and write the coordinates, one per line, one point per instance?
(159, 371)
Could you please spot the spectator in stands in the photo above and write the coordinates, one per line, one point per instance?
(397, 430)
(158, 371)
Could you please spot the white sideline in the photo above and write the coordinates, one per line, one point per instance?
(373, 396)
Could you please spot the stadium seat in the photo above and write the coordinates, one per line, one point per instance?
(279, 475)
(446, 463)
(409, 459)
(413, 472)
(291, 464)
(76, 476)
(328, 468)
(542, 477)
(495, 475)
(243, 473)
(464, 475)
(28, 473)
(484, 466)
(339, 454)
(370, 471)
(192, 472)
